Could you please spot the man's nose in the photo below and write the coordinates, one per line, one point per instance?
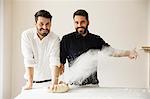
(79, 24)
(44, 27)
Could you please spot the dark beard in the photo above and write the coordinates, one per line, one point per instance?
(44, 29)
(43, 34)
(82, 32)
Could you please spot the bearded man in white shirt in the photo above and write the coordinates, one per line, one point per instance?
(40, 49)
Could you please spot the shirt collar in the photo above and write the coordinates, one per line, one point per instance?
(35, 35)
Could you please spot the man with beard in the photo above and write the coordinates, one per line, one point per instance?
(75, 44)
(40, 49)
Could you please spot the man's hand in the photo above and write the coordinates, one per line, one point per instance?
(29, 74)
(58, 88)
(133, 54)
(53, 87)
(55, 76)
(56, 72)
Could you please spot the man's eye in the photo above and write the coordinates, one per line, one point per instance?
(83, 22)
(47, 24)
(41, 24)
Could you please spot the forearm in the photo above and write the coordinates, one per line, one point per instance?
(29, 72)
(55, 74)
(115, 52)
(121, 53)
(29, 77)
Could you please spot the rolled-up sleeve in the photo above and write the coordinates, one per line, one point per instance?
(55, 53)
(26, 48)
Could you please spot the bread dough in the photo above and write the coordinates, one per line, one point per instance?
(60, 88)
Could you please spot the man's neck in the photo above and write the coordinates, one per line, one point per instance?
(84, 34)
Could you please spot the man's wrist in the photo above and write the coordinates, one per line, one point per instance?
(127, 53)
(29, 83)
(55, 80)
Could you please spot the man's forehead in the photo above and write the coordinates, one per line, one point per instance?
(78, 17)
(43, 20)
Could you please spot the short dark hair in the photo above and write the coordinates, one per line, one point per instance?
(42, 13)
(81, 12)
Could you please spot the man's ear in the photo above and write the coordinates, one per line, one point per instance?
(88, 22)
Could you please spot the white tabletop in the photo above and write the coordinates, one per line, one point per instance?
(87, 93)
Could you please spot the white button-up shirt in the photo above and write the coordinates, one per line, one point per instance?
(40, 54)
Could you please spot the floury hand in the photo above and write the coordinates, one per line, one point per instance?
(133, 54)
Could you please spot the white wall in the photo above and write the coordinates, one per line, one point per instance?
(5, 51)
(1, 49)
(122, 23)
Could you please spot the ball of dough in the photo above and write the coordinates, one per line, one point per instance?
(60, 88)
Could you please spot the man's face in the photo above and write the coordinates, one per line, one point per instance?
(81, 24)
(43, 26)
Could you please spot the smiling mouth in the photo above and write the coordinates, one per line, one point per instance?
(44, 30)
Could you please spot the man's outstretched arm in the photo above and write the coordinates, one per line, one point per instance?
(29, 75)
(132, 54)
